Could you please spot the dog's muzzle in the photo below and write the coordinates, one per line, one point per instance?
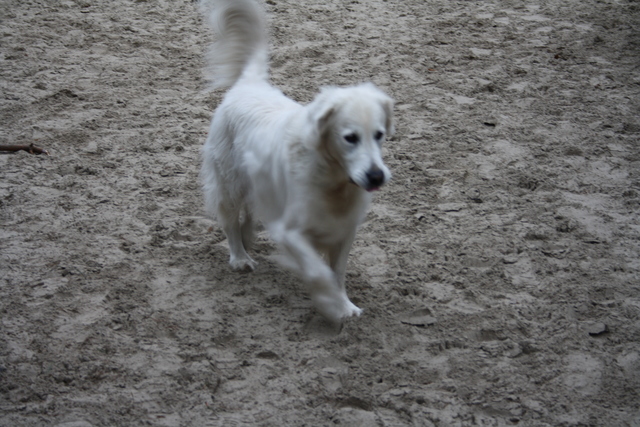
(374, 179)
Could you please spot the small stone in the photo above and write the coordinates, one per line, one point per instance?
(597, 328)
(267, 354)
(92, 147)
(481, 52)
(421, 317)
(451, 207)
(608, 303)
(509, 259)
(514, 352)
(81, 423)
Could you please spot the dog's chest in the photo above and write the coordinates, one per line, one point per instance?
(342, 201)
(336, 214)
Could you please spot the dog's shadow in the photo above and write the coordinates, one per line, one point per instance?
(316, 326)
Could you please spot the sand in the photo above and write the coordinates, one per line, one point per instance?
(499, 270)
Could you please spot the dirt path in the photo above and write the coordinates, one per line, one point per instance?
(499, 271)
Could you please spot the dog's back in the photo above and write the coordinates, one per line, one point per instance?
(241, 49)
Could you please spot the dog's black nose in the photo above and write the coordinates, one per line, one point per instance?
(375, 177)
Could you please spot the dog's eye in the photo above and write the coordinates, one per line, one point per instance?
(352, 138)
(378, 135)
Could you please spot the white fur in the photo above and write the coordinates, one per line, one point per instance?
(305, 172)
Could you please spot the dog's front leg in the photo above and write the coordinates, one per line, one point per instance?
(327, 292)
(338, 255)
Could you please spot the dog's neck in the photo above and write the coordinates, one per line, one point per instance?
(332, 173)
(342, 198)
(328, 165)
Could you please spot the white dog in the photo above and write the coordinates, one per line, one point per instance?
(306, 172)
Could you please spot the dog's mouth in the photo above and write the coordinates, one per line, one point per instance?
(369, 189)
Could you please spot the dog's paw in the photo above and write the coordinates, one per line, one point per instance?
(243, 265)
(335, 308)
(352, 310)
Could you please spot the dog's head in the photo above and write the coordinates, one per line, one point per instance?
(352, 123)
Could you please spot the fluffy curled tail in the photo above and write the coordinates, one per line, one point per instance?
(241, 48)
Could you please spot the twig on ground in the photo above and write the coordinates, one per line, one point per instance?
(30, 148)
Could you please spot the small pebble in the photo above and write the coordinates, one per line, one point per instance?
(597, 328)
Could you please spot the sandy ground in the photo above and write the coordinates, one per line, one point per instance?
(499, 270)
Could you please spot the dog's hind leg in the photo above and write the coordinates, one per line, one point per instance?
(239, 259)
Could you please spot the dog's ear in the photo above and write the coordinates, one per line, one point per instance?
(387, 105)
(322, 108)
(322, 120)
